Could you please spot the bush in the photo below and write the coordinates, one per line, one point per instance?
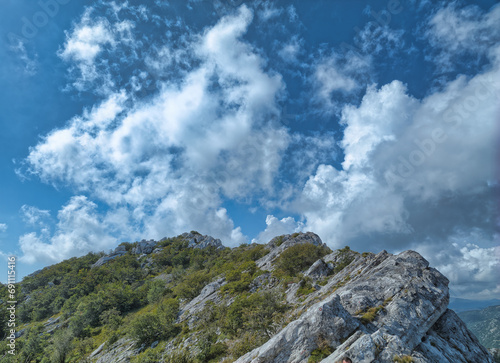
(192, 285)
(156, 291)
(299, 257)
(147, 328)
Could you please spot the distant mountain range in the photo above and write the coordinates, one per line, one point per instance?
(485, 324)
(459, 305)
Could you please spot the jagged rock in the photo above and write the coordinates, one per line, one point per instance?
(318, 269)
(144, 247)
(372, 308)
(209, 293)
(265, 281)
(449, 340)
(97, 351)
(326, 320)
(121, 351)
(278, 244)
(52, 321)
(118, 252)
(339, 257)
(409, 302)
(199, 241)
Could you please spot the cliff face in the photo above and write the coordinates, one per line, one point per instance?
(380, 308)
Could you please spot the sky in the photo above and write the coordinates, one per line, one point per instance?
(371, 123)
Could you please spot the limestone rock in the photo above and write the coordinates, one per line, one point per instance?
(449, 340)
(326, 320)
(202, 242)
(144, 247)
(318, 269)
(278, 244)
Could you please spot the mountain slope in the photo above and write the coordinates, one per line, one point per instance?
(189, 299)
(485, 324)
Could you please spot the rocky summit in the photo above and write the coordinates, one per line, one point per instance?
(291, 300)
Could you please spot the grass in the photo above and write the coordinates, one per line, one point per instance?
(403, 359)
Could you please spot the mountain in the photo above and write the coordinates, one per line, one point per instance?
(485, 324)
(189, 299)
(458, 305)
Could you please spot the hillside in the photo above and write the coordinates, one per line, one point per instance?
(485, 324)
(189, 299)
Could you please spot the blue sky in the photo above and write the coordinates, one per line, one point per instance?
(373, 124)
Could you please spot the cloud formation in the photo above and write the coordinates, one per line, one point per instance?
(197, 122)
(167, 163)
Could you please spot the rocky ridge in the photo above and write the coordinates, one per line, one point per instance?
(194, 240)
(371, 308)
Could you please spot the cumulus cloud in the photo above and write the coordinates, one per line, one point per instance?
(276, 227)
(164, 165)
(418, 170)
(473, 270)
(79, 230)
(335, 77)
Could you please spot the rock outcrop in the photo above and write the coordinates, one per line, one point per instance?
(278, 244)
(194, 239)
(380, 308)
(369, 307)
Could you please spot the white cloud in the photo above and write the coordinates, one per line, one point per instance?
(290, 50)
(18, 46)
(3, 227)
(373, 193)
(335, 77)
(34, 216)
(166, 163)
(473, 271)
(276, 227)
(269, 11)
(88, 46)
(330, 79)
(466, 30)
(79, 230)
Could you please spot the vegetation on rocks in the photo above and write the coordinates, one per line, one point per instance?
(189, 299)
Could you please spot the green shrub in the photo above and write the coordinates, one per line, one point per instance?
(156, 291)
(192, 285)
(403, 359)
(321, 352)
(299, 257)
(149, 327)
(305, 287)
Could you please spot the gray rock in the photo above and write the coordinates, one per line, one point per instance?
(326, 320)
(97, 351)
(265, 281)
(285, 241)
(449, 340)
(209, 293)
(121, 351)
(155, 344)
(144, 247)
(202, 242)
(318, 269)
(118, 252)
(19, 333)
